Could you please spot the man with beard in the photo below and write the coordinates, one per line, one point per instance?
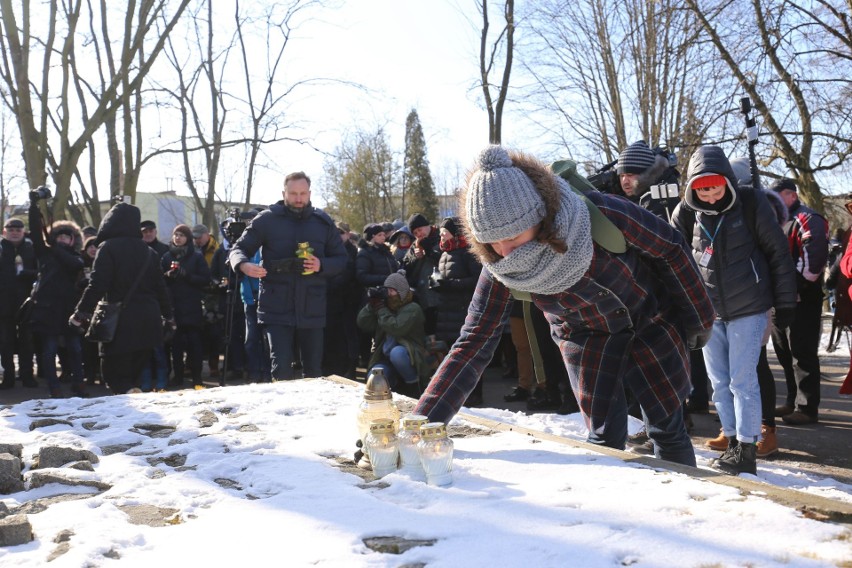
(292, 296)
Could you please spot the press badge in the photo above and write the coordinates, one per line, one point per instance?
(705, 257)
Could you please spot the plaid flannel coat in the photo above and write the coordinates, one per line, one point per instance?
(624, 322)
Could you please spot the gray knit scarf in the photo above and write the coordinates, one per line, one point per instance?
(535, 267)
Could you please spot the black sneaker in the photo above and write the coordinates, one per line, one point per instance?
(517, 394)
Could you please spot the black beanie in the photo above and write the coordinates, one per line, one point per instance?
(635, 159)
(782, 184)
(451, 224)
(417, 220)
(371, 230)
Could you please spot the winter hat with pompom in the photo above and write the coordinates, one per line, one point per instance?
(501, 201)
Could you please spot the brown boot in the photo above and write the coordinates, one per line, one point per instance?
(768, 444)
(719, 443)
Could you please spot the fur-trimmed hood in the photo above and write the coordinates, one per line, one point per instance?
(650, 176)
(549, 186)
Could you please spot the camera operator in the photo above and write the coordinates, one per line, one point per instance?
(54, 297)
(396, 323)
(225, 285)
(639, 168)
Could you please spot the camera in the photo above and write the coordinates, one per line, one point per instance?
(41, 192)
(605, 179)
(377, 293)
(233, 226)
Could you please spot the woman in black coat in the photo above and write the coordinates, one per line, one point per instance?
(374, 261)
(122, 258)
(187, 275)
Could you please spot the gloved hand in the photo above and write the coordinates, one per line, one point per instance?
(783, 318)
(699, 339)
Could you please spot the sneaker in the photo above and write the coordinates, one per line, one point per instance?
(768, 444)
(719, 443)
(517, 394)
(799, 418)
(638, 439)
(737, 459)
(198, 387)
(783, 410)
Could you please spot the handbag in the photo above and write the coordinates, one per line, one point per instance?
(105, 318)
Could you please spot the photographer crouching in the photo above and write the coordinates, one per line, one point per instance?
(396, 323)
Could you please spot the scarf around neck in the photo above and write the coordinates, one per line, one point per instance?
(535, 267)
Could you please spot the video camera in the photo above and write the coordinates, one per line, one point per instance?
(41, 192)
(377, 293)
(233, 225)
(606, 180)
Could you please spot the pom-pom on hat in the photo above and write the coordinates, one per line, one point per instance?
(371, 230)
(398, 282)
(635, 159)
(416, 221)
(501, 200)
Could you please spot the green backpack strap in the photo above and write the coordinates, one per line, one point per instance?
(604, 231)
(538, 362)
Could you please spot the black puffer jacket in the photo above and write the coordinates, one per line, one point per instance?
(373, 264)
(747, 274)
(419, 270)
(459, 272)
(187, 285)
(59, 269)
(121, 255)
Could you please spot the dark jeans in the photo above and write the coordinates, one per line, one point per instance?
(257, 349)
(671, 441)
(15, 339)
(797, 349)
(121, 371)
(187, 340)
(155, 371)
(72, 367)
(281, 339)
(766, 382)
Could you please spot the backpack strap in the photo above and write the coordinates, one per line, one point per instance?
(604, 231)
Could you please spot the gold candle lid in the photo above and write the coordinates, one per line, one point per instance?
(433, 430)
(413, 422)
(377, 387)
(381, 425)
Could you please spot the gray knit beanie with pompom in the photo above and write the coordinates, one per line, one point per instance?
(501, 201)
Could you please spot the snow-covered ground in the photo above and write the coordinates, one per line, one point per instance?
(261, 486)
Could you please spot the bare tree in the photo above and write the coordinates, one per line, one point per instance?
(59, 159)
(797, 78)
(491, 54)
(609, 72)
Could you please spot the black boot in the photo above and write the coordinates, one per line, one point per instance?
(740, 457)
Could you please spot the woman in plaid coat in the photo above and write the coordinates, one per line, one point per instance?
(625, 318)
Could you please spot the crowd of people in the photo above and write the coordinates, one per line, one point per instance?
(611, 302)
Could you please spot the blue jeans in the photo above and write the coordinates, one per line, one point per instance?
(160, 371)
(257, 349)
(397, 366)
(72, 366)
(671, 441)
(281, 347)
(731, 356)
